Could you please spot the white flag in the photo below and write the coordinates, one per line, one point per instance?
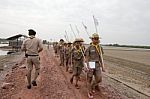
(95, 21)
(77, 30)
(84, 26)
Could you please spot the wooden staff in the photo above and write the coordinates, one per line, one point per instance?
(85, 27)
(72, 31)
(100, 53)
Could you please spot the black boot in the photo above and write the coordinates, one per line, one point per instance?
(34, 83)
(29, 86)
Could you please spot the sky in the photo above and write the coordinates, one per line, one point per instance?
(120, 21)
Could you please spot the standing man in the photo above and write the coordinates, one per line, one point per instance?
(32, 46)
(94, 57)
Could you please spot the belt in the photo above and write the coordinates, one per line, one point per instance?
(33, 55)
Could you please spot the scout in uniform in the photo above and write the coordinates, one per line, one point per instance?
(57, 50)
(78, 64)
(82, 49)
(32, 46)
(65, 50)
(68, 49)
(94, 58)
(61, 52)
(70, 57)
(55, 47)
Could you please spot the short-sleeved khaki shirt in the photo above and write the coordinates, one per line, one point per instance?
(31, 45)
(92, 54)
(77, 58)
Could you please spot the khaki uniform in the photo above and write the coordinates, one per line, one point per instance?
(67, 57)
(70, 61)
(31, 46)
(92, 55)
(55, 47)
(78, 61)
(61, 53)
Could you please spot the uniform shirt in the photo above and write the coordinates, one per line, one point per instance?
(68, 50)
(61, 48)
(77, 57)
(55, 48)
(31, 45)
(92, 53)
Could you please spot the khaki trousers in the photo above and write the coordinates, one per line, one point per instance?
(33, 60)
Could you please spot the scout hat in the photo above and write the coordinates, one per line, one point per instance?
(78, 40)
(69, 43)
(81, 39)
(95, 35)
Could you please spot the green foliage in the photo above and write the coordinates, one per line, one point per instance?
(130, 46)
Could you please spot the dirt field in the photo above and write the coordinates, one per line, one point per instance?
(131, 54)
(132, 67)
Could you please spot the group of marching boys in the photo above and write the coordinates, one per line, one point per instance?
(75, 57)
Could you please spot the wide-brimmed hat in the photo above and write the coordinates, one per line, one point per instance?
(95, 35)
(79, 40)
(69, 43)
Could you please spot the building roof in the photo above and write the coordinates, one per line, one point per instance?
(16, 37)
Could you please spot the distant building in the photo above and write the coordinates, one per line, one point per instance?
(3, 41)
(16, 41)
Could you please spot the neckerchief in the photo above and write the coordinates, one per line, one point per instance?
(78, 50)
(97, 47)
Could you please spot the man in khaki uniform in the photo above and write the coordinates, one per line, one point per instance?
(32, 46)
(78, 59)
(93, 54)
(55, 47)
(70, 62)
(67, 55)
(61, 52)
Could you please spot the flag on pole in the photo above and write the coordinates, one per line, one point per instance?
(77, 30)
(67, 35)
(84, 26)
(95, 21)
(72, 30)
